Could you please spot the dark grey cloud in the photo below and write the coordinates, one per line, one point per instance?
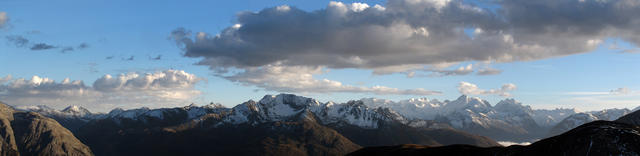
(129, 59)
(22, 42)
(83, 46)
(17, 40)
(159, 57)
(42, 46)
(109, 57)
(405, 36)
(70, 48)
(67, 49)
(414, 32)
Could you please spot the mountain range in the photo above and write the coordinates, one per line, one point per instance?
(287, 124)
(618, 137)
(594, 138)
(508, 120)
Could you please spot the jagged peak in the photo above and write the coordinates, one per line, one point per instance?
(510, 102)
(358, 103)
(389, 113)
(288, 99)
(116, 111)
(329, 104)
(463, 97)
(214, 105)
(76, 110)
(465, 100)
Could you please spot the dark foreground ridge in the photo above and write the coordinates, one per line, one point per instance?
(29, 133)
(595, 138)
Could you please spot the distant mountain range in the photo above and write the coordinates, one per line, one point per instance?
(594, 138)
(287, 124)
(508, 120)
(578, 119)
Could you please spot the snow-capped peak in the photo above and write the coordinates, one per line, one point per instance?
(463, 102)
(272, 108)
(214, 106)
(288, 99)
(76, 111)
(578, 119)
(513, 106)
(286, 106)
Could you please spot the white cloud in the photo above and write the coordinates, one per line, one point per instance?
(358, 7)
(164, 80)
(4, 19)
(300, 79)
(130, 90)
(473, 89)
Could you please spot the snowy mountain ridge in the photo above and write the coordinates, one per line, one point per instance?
(506, 120)
(578, 119)
(426, 109)
(284, 106)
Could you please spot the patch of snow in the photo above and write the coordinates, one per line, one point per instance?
(509, 143)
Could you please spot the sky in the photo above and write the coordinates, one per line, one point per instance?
(101, 54)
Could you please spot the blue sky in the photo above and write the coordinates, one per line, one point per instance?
(121, 29)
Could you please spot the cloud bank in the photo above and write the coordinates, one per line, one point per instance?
(300, 79)
(414, 32)
(128, 90)
(405, 36)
